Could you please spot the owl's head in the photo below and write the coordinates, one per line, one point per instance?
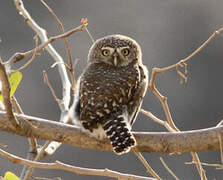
(115, 50)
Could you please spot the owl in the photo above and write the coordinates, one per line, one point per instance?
(110, 91)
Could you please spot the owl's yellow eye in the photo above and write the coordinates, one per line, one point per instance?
(105, 52)
(125, 52)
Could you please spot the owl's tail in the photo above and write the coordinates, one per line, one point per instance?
(119, 133)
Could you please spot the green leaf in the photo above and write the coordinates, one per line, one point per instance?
(10, 176)
(14, 80)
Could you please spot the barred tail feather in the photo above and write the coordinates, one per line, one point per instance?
(118, 131)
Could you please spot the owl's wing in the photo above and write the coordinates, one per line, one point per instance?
(139, 93)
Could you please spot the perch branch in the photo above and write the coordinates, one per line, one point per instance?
(159, 142)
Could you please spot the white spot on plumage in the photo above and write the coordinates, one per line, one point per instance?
(108, 129)
(122, 133)
(121, 116)
(129, 93)
(92, 117)
(107, 111)
(114, 104)
(107, 122)
(129, 84)
(119, 127)
(105, 105)
(122, 91)
(99, 114)
(113, 133)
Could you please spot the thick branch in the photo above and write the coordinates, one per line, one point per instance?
(159, 142)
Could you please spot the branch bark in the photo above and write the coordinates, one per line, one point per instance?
(156, 142)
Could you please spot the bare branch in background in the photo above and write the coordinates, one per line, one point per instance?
(168, 169)
(163, 100)
(147, 166)
(71, 67)
(77, 170)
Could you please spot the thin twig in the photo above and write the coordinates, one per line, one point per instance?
(62, 31)
(40, 154)
(33, 56)
(168, 169)
(46, 80)
(42, 178)
(218, 166)
(157, 120)
(77, 170)
(71, 67)
(147, 166)
(89, 34)
(183, 61)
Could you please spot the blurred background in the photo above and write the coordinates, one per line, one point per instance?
(167, 32)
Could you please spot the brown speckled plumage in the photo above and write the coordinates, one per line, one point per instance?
(109, 96)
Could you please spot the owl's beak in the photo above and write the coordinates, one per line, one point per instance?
(115, 59)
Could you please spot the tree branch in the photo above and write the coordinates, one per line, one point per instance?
(158, 142)
(6, 95)
(75, 169)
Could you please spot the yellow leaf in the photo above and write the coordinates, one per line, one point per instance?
(14, 80)
(10, 176)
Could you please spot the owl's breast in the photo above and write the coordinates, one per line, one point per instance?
(105, 89)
